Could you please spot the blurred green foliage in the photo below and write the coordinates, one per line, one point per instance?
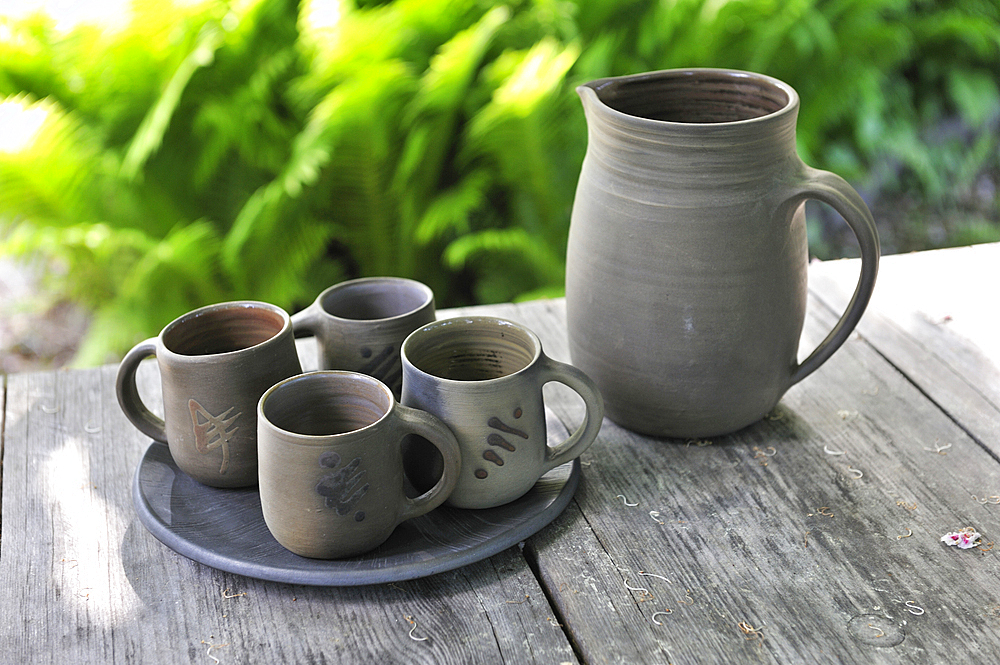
(217, 150)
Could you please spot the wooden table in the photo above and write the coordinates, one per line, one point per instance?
(812, 536)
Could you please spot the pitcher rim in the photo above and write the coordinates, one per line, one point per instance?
(594, 87)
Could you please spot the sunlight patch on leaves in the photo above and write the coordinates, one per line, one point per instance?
(149, 136)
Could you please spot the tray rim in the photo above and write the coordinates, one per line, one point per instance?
(346, 572)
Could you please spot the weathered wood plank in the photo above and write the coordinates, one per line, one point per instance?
(3, 415)
(91, 585)
(936, 316)
(744, 536)
(740, 531)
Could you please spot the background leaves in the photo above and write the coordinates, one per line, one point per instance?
(265, 149)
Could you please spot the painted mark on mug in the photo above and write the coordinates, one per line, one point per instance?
(211, 432)
(383, 365)
(341, 489)
(491, 456)
(496, 423)
(497, 440)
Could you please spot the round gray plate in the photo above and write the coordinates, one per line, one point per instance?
(224, 528)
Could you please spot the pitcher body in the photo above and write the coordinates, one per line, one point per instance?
(687, 255)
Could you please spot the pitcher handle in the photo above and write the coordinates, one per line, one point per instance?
(834, 191)
(128, 393)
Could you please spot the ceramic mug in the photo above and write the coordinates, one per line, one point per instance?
(331, 466)
(360, 324)
(215, 362)
(483, 377)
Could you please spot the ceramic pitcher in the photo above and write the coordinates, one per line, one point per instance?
(687, 254)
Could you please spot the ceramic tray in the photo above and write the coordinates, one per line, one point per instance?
(224, 528)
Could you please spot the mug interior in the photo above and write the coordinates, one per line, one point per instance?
(377, 299)
(224, 329)
(702, 97)
(326, 403)
(470, 349)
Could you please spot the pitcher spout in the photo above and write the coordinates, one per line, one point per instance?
(588, 97)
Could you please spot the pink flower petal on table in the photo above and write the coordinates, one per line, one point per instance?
(965, 539)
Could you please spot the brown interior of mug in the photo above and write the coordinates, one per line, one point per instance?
(222, 330)
(704, 97)
(477, 351)
(322, 404)
(374, 300)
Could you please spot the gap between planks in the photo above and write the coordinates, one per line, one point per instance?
(825, 303)
(3, 439)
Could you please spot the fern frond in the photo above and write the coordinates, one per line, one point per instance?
(530, 79)
(94, 258)
(520, 131)
(172, 276)
(509, 242)
(449, 213)
(431, 119)
(508, 262)
(149, 136)
(300, 268)
(347, 139)
(451, 70)
(51, 175)
(183, 268)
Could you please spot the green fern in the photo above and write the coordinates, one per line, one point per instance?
(150, 133)
(430, 122)
(220, 150)
(451, 211)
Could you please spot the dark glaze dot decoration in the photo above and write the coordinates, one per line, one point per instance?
(342, 489)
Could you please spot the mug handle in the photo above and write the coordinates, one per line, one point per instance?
(306, 323)
(415, 421)
(586, 433)
(128, 393)
(834, 191)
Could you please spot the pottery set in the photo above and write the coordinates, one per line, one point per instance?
(335, 454)
(685, 299)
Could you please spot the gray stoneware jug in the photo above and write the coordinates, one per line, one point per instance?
(687, 254)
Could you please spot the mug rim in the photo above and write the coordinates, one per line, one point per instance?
(460, 320)
(790, 106)
(414, 285)
(324, 439)
(239, 305)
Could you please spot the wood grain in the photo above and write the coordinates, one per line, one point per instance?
(91, 585)
(764, 546)
(936, 316)
(745, 536)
